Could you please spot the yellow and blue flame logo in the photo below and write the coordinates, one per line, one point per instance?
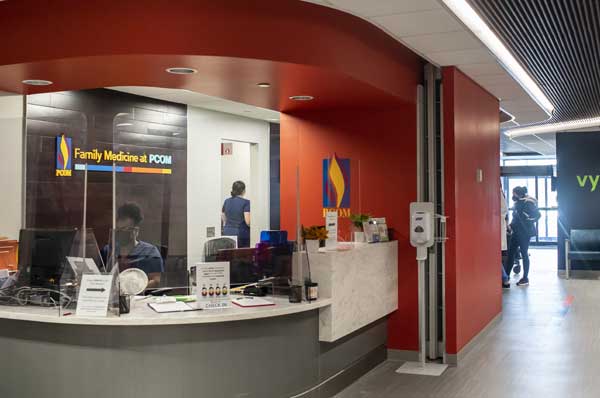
(64, 158)
(336, 183)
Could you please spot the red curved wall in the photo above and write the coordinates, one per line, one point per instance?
(383, 142)
(473, 253)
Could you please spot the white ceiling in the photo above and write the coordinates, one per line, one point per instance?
(202, 101)
(432, 31)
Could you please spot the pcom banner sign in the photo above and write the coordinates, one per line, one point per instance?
(66, 155)
(336, 186)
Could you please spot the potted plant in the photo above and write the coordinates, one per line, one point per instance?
(313, 236)
(357, 221)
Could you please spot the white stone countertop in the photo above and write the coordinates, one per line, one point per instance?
(142, 315)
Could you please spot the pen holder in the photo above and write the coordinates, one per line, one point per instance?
(295, 294)
(124, 304)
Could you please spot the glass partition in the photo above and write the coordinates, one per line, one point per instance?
(155, 188)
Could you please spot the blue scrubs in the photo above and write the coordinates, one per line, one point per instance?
(144, 256)
(235, 224)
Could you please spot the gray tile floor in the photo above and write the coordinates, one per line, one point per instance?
(542, 347)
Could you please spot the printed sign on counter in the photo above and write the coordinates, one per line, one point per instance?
(212, 284)
(94, 294)
(331, 223)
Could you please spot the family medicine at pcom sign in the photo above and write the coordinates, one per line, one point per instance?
(93, 158)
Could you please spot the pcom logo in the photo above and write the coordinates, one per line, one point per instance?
(336, 185)
(64, 158)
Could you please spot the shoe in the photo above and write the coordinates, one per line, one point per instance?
(505, 285)
(523, 282)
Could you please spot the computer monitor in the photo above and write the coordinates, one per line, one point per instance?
(249, 265)
(43, 256)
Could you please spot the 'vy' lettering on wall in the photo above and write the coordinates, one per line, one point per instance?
(583, 181)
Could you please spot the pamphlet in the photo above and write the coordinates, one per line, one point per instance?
(212, 285)
(94, 294)
(371, 231)
(376, 230)
(382, 229)
(331, 223)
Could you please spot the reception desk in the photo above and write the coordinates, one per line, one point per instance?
(277, 351)
(362, 284)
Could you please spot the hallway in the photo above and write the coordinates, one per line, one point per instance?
(546, 345)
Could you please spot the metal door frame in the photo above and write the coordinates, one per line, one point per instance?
(430, 187)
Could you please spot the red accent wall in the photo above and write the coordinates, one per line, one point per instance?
(473, 254)
(382, 147)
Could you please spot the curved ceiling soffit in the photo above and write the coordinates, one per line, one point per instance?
(280, 32)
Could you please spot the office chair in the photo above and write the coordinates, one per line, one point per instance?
(212, 247)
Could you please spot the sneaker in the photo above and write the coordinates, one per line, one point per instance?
(505, 285)
(523, 282)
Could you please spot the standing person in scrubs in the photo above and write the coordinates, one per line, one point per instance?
(236, 215)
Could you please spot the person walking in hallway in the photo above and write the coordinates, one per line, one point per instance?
(525, 215)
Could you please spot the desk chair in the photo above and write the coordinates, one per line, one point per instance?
(212, 247)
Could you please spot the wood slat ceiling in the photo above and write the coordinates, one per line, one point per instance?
(558, 42)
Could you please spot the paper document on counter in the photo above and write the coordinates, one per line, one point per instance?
(94, 294)
(251, 302)
(177, 306)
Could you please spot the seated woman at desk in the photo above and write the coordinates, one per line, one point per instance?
(236, 215)
(131, 252)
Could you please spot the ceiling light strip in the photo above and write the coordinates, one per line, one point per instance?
(473, 21)
(553, 127)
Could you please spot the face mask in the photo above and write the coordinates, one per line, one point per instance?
(124, 238)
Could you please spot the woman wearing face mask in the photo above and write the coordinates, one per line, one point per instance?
(525, 215)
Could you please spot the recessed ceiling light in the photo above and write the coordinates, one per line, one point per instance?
(264, 85)
(181, 71)
(475, 23)
(36, 82)
(302, 97)
(124, 124)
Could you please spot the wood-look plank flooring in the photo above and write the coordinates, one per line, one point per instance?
(547, 345)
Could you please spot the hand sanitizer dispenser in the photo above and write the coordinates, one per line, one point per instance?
(421, 227)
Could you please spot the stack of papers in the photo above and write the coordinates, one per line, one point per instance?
(249, 301)
(177, 306)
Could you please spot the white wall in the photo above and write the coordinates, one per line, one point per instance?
(11, 165)
(206, 131)
(236, 167)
